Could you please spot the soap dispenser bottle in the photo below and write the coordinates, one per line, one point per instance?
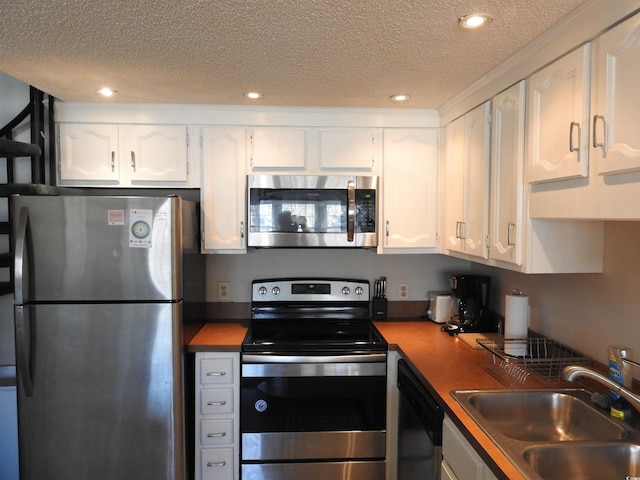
(621, 373)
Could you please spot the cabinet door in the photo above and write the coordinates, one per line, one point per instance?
(559, 119)
(454, 177)
(410, 179)
(507, 175)
(476, 181)
(278, 148)
(155, 153)
(223, 189)
(615, 131)
(88, 154)
(349, 149)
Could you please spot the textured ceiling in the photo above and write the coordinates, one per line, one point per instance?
(353, 53)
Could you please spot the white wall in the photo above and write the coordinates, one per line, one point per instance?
(423, 273)
(585, 311)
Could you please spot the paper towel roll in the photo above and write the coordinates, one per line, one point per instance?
(516, 324)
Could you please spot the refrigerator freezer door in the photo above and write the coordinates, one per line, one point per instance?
(107, 393)
(98, 248)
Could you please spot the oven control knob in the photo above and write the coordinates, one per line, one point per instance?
(262, 290)
(359, 290)
(261, 405)
(275, 290)
(346, 291)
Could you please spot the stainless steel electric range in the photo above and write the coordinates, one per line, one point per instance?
(313, 401)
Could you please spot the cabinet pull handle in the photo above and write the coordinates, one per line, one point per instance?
(241, 229)
(133, 160)
(510, 228)
(216, 374)
(573, 148)
(216, 464)
(211, 403)
(597, 144)
(216, 435)
(386, 228)
(460, 233)
(113, 161)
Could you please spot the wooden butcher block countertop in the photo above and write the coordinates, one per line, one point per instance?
(446, 363)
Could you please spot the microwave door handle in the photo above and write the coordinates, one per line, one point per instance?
(351, 210)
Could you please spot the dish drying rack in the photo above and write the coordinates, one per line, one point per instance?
(543, 362)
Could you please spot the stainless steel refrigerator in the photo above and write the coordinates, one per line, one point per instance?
(98, 317)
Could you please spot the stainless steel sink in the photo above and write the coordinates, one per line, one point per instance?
(554, 433)
(542, 416)
(610, 461)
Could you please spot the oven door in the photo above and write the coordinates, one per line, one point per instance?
(311, 211)
(313, 408)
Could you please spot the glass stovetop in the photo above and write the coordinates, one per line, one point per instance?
(313, 335)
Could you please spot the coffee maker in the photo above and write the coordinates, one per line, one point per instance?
(472, 297)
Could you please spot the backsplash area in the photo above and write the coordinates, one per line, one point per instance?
(585, 311)
(421, 273)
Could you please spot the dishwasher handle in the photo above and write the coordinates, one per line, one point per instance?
(422, 402)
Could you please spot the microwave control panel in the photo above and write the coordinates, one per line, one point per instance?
(365, 211)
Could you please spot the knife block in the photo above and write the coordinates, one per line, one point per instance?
(379, 308)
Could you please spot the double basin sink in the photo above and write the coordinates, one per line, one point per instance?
(555, 433)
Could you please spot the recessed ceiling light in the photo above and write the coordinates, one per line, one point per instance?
(400, 97)
(253, 95)
(106, 92)
(475, 20)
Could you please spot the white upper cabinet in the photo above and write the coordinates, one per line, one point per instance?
(223, 190)
(281, 149)
(88, 153)
(156, 153)
(616, 143)
(123, 155)
(507, 175)
(558, 112)
(467, 183)
(410, 191)
(349, 149)
(453, 184)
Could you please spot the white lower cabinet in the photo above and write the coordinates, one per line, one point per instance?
(459, 460)
(217, 416)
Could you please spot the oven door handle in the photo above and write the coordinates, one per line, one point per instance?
(356, 358)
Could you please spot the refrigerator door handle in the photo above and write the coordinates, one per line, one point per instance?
(23, 350)
(20, 255)
(22, 321)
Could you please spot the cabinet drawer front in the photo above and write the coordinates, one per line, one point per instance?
(216, 371)
(217, 463)
(216, 400)
(216, 432)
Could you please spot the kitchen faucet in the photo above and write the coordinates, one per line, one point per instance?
(573, 372)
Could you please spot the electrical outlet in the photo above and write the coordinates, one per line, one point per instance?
(224, 291)
(403, 291)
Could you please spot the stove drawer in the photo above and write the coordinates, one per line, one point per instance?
(355, 470)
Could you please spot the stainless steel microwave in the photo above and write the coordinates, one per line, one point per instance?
(312, 211)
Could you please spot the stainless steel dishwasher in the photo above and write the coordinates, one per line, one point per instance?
(419, 429)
